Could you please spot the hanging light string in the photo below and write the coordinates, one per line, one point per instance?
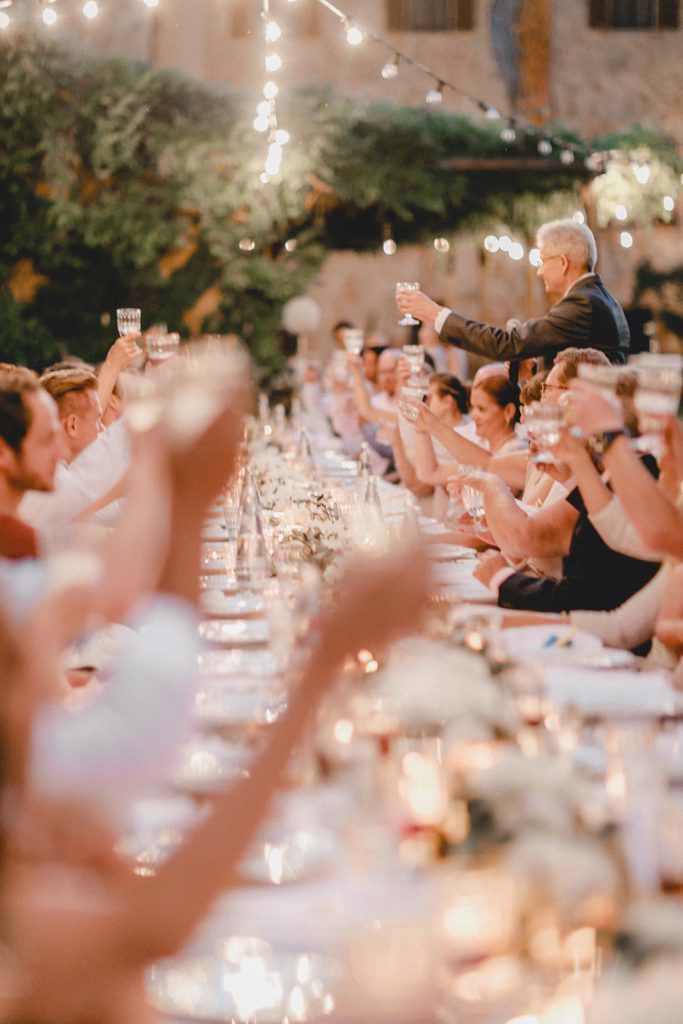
(266, 119)
(49, 12)
(547, 142)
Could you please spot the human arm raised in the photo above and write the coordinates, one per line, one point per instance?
(657, 519)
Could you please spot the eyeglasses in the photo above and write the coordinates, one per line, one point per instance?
(553, 387)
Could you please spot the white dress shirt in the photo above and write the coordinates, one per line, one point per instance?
(90, 476)
(125, 741)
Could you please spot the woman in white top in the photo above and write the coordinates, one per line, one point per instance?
(494, 406)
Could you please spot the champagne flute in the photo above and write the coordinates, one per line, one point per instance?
(407, 286)
(128, 321)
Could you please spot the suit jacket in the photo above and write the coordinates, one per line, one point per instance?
(587, 317)
(595, 577)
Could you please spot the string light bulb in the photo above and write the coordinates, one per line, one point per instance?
(490, 113)
(491, 243)
(389, 247)
(626, 240)
(509, 134)
(49, 16)
(567, 157)
(354, 35)
(516, 251)
(442, 245)
(261, 124)
(668, 203)
(151, 3)
(90, 9)
(579, 217)
(621, 212)
(504, 243)
(390, 69)
(545, 147)
(272, 31)
(282, 137)
(273, 62)
(4, 20)
(270, 90)
(535, 257)
(435, 96)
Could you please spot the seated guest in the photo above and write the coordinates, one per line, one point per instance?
(32, 444)
(447, 399)
(96, 460)
(653, 511)
(494, 408)
(595, 577)
(74, 389)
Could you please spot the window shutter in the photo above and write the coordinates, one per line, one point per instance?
(395, 15)
(464, 20)
(598, 13)
(668, 13)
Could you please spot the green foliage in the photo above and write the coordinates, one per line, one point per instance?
(123, 185)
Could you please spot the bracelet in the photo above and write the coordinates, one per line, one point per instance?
(610, 436)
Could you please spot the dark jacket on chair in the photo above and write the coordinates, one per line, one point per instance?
(587, 317)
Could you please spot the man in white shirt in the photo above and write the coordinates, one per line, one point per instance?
(95, 461)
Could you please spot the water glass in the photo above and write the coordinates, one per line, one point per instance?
(128, 321)
(473, 498)
(415, 357)
(353, 341)
(659, 388)
(605, 378)
(143, 400)
(161, 347)
(410, 399)
(407, 286)
(545, 421)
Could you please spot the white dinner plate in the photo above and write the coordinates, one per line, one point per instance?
(219, 706)
(239, 663)
(449, 552)
(235, 605)
(235, 632)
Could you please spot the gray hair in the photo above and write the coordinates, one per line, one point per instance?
(567, 238)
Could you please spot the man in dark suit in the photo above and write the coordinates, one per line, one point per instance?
(583, 314)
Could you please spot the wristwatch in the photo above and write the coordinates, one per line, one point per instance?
(610, 436)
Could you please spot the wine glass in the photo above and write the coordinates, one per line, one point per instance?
(128, 321)
(407, 286)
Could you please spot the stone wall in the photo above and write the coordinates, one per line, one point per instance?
(600, 80)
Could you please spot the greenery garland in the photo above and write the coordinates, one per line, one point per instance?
(124, 185)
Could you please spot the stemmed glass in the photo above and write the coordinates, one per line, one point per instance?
(407, 286)
(128, 321)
